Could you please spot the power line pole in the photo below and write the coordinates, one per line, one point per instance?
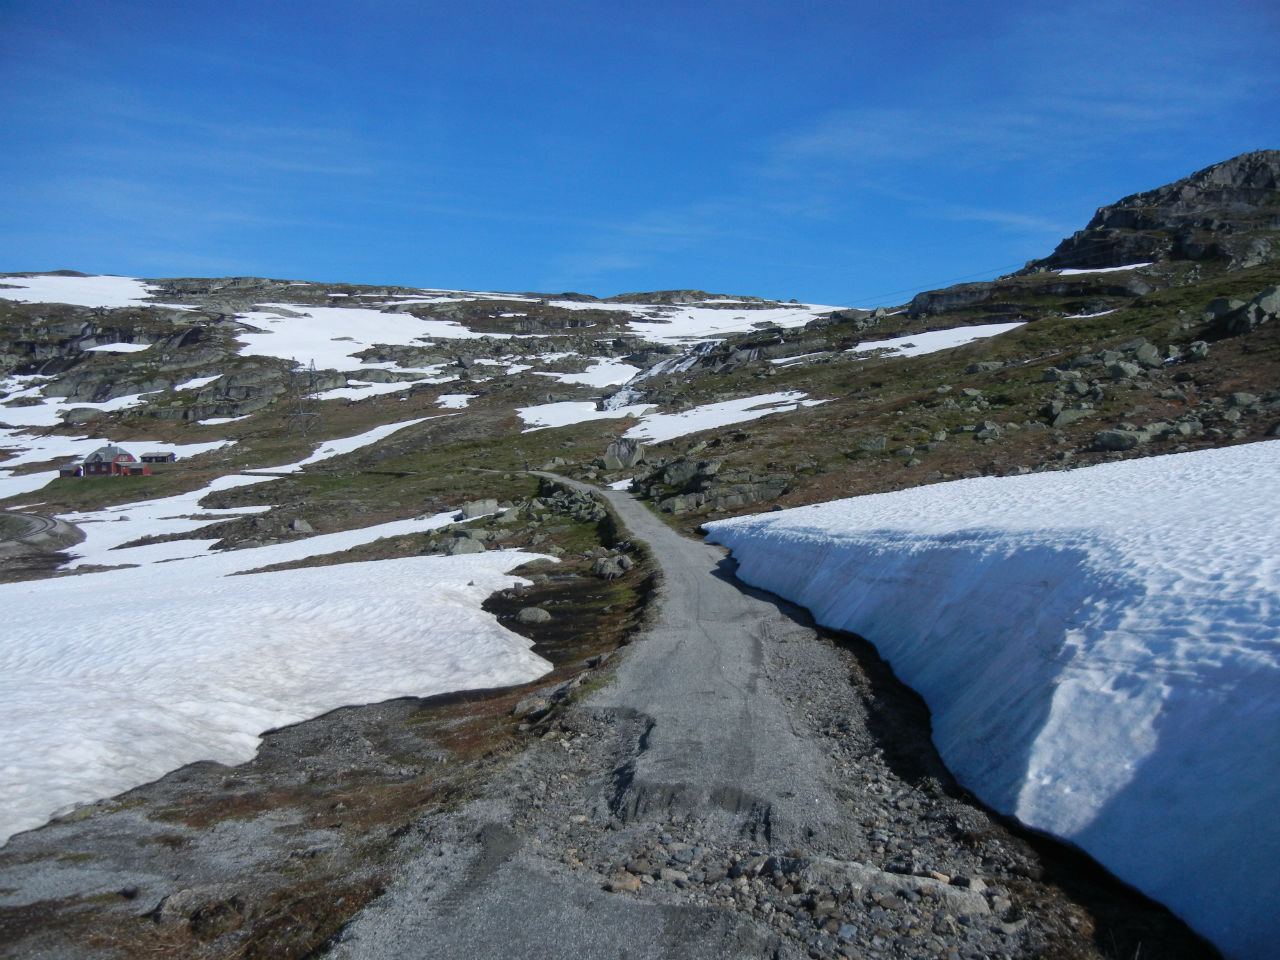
(304, 412)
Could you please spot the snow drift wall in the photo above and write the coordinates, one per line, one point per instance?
(1100, 650)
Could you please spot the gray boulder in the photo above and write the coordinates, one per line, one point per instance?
(1219, 307)
(1148, 355)
(1197, 351)
(1123, 370)
(478, 508)
(1268, 301)
(608, 567)
(623, 454)
(679, 473)
(1118, 439)
(532, 615)
(1234, 318)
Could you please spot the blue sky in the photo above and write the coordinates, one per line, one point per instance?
(845, 153)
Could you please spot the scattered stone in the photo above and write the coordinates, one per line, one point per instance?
(1055, 375)
(624, 883)
(1123, 370)
(532, 615)
(1069, 415)
(462, 545)
(478, 508)
(611, 568)
(623, 454)
(1148, 355)
(533, 707)
(1118, 439)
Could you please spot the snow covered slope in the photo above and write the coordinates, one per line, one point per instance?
(1100, 650)
(111, 680)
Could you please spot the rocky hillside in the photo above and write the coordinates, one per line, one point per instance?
(1151, 331)
(1228, 212)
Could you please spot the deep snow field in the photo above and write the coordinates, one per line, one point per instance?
(1099, 648)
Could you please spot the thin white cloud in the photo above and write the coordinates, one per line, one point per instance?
(1012, 219)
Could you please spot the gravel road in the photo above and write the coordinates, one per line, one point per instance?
(745, 787)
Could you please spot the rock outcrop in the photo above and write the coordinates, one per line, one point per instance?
(1229, 211)
(623, 454)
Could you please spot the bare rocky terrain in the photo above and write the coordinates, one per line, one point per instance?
(703, 773)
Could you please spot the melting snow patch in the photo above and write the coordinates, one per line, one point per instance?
(331, 336)
(682, 324)
(603, 373)
(336, 448)
(454, 401)
(568, 412)
(110, 680)
(196, 383)
(1100, 650)
(119, 348)
(657, 427)
(77, 291)
(919, 344)
(1087, 316)
(1075, 271)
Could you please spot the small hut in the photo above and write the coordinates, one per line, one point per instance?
(108, 461)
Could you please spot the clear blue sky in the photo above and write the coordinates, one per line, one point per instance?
(843, 153)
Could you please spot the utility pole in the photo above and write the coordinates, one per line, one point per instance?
(304, 413)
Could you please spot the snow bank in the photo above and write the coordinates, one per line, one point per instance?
(602, 373)
(110, 680)
(455, 401)
(657, 427)
(681, 324)
(1077, 271)
(330, 336)
(78, 291)
(1100, 650)
(919, 344)
(119, 348)
(565, 413)
(340, 445)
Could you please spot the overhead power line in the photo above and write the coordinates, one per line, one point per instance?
(931, 285)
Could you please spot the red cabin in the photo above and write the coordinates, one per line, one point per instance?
(108, 461)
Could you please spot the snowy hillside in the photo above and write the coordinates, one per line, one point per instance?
(340, 337)
(1057, 597)
(1100, 650)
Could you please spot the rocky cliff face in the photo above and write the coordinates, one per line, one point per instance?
(1229, 211)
